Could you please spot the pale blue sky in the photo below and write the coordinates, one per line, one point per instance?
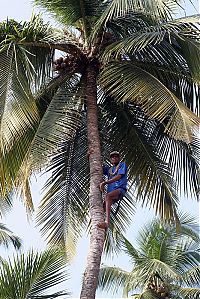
(21, 10)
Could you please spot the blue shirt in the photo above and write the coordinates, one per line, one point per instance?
(112, 171)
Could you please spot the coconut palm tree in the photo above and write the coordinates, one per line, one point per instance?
(31, 276)
(128, 79)
(164, 264)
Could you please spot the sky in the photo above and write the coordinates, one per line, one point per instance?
(17, 220)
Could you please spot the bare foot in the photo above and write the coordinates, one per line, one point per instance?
(103, 225)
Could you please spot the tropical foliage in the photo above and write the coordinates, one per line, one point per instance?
(33, 275)
(164, 264)
(7, 238)
(135, 62)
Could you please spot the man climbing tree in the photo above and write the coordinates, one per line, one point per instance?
(117, 185)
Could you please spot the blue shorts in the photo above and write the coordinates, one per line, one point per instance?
(122, 192)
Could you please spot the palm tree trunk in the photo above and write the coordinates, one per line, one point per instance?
(96, 208)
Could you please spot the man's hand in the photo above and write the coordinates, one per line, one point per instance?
(102, 185)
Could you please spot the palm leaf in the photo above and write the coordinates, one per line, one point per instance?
(190, 293)
(180, 29)
(192, 276)
(63, 210)
(15, 157)
(61, 119)
(119, 8)
(70, 12)
(111, 278)
(160, 257)
(33, 275)
(60, 138)
(7, 237)
(153, 97)
(18, 108)
(191, 48)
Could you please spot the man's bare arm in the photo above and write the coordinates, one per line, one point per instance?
(114, 179)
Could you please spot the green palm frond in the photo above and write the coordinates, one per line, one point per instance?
(111, 278)
(151, 35)
(154, 10)
(192, 276)
(14, 88)
(191, 52)
(176, 78)
(189, 227)
(7, 237)
(61, 119)
(15, 157)
(187, 255)
(71, 12)
(33, 30)
(18, 108)
(63, 211)
(189, 293)
(33, 275)
(129, 83)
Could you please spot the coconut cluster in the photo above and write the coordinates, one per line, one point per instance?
(161, 290)
(64, 63)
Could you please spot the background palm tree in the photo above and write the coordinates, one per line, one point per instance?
(33, 276)
(164, 264)
(142, 68)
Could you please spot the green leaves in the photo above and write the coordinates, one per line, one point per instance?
(7, 237)
(71, 11)
(127, 82)
(63, 211)
(32, 276)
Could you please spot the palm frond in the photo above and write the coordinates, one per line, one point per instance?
(190, 293)
(36, 59)
(18, 108)
(154, 10)
(178, 80)
(71, 12)
(7, 237)
(63, 211)
(127, 82)
(192, 276)
(60, 144)
(111, 278)
(33, 275)
(60, 120)
(183, 29)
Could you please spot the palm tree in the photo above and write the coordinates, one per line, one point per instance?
(165, 264)
(31, 276)
(128, 80)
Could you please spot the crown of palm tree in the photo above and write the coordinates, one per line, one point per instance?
(164, 264)
(148, 101)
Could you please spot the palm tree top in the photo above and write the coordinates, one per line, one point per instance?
(148, 99)
(164, 263)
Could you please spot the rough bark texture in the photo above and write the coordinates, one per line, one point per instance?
(96, 208)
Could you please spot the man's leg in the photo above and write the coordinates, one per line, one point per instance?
(109, 199)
